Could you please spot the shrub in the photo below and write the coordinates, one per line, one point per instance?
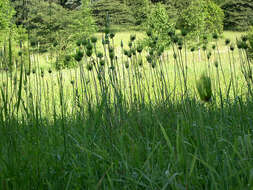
(250, 38)
(158, 24)
(201, 18)
(204, 88)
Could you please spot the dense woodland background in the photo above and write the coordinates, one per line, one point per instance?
(238, 13)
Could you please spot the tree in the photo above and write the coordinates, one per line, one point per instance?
(119, 12)
(238, 14)
(139, 10)
(201, 18)
(159, 23)
(6, 14)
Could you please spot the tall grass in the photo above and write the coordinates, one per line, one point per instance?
(128, 118)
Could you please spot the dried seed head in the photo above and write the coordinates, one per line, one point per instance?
(232, 47)
(216, 63)
(227, 41)
(132, 37)
(100, 55)
(215, 36)
(94, 39)
(112, 35)
(149, 33)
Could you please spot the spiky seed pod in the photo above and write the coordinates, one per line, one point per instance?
(125, 52)
(94, 39)
(102, 62)
(159, 53)
(72, 82)
(112, 35)
(33, 43)
(149, 59)
(132, 37)
(130, 44)
(180, 42)
(244, 38)
(89, 53)
(126, 65)
(111, 49)
(133, 51)
(42, 73)
(161, 49)
(140, 62)
(153, 64)
(213, 46)
(215, 36)
(171, 33)
(129, 54)
(151, 52)
(209, 55)
(204, 47)
(245, 45)
(139, 48)
(78, 43)
(227, 41)
(79, 55)
(175, 39)
(33, 71)
(205, 38)
(183, 33)
(121, 44)
(216, 64)
(84, 42)
(100, 55)
(67, 58)
(49, 71)
(89, 46)
(149, 33)
(19, 53)
(239, 44)
(232, 47)
(111, 55)
(204, 87)
(192, 49)
(112, 68)
(89, 67)
(180, 47)
(99, 77)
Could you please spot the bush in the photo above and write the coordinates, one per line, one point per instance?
(250, 39)
(158, 23)
(201, 18)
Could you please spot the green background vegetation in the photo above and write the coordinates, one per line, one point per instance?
(126, 94)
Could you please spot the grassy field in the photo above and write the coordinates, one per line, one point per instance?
(123, 122)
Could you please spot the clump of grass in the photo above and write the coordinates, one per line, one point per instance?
(204, 87)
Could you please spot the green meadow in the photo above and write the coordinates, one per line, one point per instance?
(182, 120)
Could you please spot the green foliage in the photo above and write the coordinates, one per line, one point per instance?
(204, 88)
(6, 14)
(139, 9)
(83, 23)
(119, 12)
(250, 39)
(159, 24)
(201, 18)
(238, 14)
(50, 25)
